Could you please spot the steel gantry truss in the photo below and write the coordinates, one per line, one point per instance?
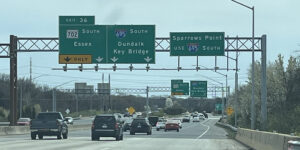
(33, 44)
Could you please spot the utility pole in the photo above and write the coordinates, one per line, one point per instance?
(147, 101)
(264, 82)
(109, 102)
(30, 70)
(236, 88)
(13, 80)
(253, 115)
(21, 99)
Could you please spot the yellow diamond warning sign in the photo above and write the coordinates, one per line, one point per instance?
(75, 59)
(131, 110)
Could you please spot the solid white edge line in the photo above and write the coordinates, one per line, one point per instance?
(208, 127)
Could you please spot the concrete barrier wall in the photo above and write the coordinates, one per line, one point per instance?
(8, 130)
(11, 130)
(260, 140)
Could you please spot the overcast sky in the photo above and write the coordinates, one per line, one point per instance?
(278, 19)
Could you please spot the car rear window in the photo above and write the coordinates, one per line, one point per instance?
(49, 116)
(105, 119)
(23, 120)
(139, 121)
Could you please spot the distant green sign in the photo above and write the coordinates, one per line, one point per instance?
(178, 87)
(218, 107)
(198, 88)
(87, 42)
(197, 43)
(131, 44)
(76, 20)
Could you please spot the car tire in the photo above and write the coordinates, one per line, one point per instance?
(165, 130)
(157, 129)
(93, 137)
(117, 138)
(121, 137)
(33, 136)
(65, 136)
(132, 133)
(59, 136)
(177, 130)
(40, 136)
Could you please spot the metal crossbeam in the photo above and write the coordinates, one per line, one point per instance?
(4, 50)
(232, 44)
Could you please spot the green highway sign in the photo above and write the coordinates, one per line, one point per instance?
(198, 88)
(82, 40)
(87, 43)
(178, 87)
(131, 44)
(76, 20)
(197, 43)
(218, 107)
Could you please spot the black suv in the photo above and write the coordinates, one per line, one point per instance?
(107, 125)
(140, 125)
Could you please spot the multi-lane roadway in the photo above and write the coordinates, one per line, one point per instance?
(193, 136)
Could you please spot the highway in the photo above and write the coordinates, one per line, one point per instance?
(204, 135)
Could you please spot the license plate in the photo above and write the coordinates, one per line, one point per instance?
(172, 125)
(139, 126)
(104, 126)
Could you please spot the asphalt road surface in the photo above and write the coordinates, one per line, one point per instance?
(193, 136)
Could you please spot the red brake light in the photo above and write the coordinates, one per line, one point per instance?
(93, 125)
(117, 125)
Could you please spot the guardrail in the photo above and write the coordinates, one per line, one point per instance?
(228, 126)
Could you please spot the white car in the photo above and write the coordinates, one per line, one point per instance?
(160, 124)
(196, 119)
(70, 120)
(201, 116)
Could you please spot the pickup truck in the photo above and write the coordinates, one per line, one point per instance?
(49, 124)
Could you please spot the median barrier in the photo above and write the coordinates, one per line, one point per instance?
(14, 130)
(9, 130)
(261, 140)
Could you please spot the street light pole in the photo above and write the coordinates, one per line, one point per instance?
(54, 95)
(252, 75)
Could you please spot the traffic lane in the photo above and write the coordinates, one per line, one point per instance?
(213, 132)
(81, 140)
(83, 121)
(189, 130)
(83, 143)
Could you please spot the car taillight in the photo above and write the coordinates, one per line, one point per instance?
(93, 125)
(116, 125)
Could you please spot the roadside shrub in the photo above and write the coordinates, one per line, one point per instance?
(3, 114)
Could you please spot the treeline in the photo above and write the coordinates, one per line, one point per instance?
(283, 97)
(37, 98)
